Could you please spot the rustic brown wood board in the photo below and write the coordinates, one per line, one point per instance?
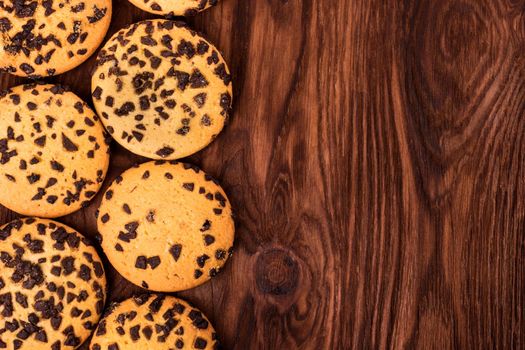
(376, 164)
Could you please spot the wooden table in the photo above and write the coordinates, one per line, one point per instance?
(376, 162)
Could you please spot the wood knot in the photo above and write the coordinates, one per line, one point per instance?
(276, 272)
(463, 33)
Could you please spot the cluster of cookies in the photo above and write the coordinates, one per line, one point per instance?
(163, 92)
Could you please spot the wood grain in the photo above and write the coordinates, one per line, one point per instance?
(376, 163)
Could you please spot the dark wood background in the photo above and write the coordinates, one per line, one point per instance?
(376, 162)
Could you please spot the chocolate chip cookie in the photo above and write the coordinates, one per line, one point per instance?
(166, 226)
(52, 286)
(162, 90)
(174, 7)
(154, 322)
(54, 152)
(45, 38)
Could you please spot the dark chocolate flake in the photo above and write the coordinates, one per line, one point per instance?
(141, 262)
(68, 144)
(154, 262)
(165, 152)
(175, 251)
(190, 186)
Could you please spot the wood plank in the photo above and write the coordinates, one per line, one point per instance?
(375, 161)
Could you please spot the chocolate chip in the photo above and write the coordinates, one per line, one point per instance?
(198, 320)
(201, 260)
(134, 333)
(148, 41)
(197, 80)
(126, 209)
(222, 73)
(84, 272)
(26, 68)
(220, 254)
(97, 93)
(209, 240)
(41, 336)
(68, 264)
(125, 109)
(57, 166)
(141, 262)
(202, 47)
(190, 186)
(154, 262)
(165, 152)
(147, 331)
(200, 343)
(183, 79)
(200, 99)
(97, 15)
(68, 144)
(33, 178)
(175, 251)
(206, 226)
(156, 304)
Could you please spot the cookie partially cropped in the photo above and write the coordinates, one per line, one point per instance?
(154, 322)
(53, 151)
(52, 286)
(45, 38)
(162, 90)
(174, 7)
(166, 226)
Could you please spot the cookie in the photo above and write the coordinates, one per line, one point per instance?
(162, 91)
(174, 7)
(154, 322)
(52, 286)
(166, 226)
(45, 38)
(54, 152)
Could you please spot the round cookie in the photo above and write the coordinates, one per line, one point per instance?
(174, 7)
(155, 322)
(45, 38)
(166, 226)
(53, 151)
(162, 91)
(52, 286)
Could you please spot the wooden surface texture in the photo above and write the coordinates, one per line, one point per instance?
(376, 164)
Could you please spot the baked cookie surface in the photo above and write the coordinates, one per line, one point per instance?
(166, 226)
(154, 322)
(52, 286)
(174, 7)
(53, 151)
(162, 91)
(44, 38)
